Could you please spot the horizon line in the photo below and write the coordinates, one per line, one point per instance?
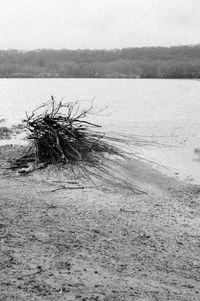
(100, 49)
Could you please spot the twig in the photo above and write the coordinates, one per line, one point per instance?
(79, 187)
(69, 182)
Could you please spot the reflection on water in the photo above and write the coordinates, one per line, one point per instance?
(166, 110)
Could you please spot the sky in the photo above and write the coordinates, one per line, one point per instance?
(98, 24)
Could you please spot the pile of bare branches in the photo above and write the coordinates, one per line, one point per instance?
(59, 133)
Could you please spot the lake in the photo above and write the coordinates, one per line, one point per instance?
(167, 110)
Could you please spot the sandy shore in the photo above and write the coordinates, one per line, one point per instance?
(98, 243)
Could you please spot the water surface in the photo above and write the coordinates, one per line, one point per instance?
(168, 110)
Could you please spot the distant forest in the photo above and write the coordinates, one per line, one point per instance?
(146, 62)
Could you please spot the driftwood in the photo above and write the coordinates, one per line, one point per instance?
(61, 133)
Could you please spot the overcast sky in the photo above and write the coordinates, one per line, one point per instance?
(98, 24)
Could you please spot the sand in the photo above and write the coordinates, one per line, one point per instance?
(98, 243)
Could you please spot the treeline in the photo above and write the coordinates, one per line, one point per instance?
(146, 62)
